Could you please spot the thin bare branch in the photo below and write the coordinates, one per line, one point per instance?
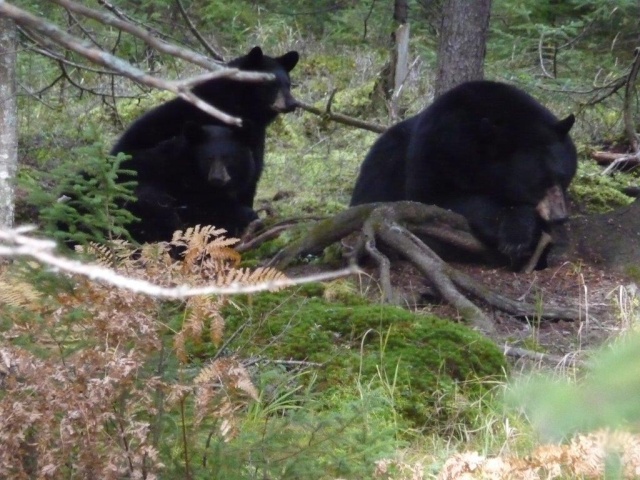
(196, 33)
(161, 46)
(344, 119)
(15, 244)
(105, 59)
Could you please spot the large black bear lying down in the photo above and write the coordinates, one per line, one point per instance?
(486, 150)
(206, 175)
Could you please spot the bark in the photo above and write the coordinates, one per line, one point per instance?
(8, 120)
(462, 47)
(399, 55)
(629, 95)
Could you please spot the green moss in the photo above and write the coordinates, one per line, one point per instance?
(428, 360)
(599, 193)
(633, 272)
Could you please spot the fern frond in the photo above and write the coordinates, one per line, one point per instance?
(223, 254)
(19, 294)
(202, 242)
(201, 235)
(229, 372)
(216, 329)
(245, 276)
(206, 309)
(116, 254)
(193, 325)
(179, 345)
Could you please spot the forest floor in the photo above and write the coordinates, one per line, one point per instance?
(604, 298)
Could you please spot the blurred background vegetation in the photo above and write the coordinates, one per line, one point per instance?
(568, 54)
(378, 394)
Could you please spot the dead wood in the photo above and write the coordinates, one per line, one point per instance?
(623, 162)
(605, 158)
(341, 118)
(616, 161)
(556, 360)
(393, 227)
(629, 96)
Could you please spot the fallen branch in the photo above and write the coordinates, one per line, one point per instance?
(557, 360)
(14, 243)
(623, 162)
(340, 118)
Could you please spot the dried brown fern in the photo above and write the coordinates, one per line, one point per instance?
(223, 389)
(116, 254)
(81, 399)
(251, 277)
(18, 293)
(206, 249)
(586, 456)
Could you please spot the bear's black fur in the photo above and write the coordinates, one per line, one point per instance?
(486, 150)
(207, 175)
(256, 102)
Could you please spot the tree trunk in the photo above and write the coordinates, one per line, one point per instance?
(462, 47)
(399, 55)
(8, 120)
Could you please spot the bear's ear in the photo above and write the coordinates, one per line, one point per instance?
(193, 132)
(288, 60)
(563, 126)
(254, 57)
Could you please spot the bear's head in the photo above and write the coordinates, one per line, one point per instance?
(259, 101)
(541, 167)
(221, 155)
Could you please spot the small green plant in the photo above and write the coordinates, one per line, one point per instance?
(85, 204)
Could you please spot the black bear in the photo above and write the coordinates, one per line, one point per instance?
(486, 150)
(161, 132)
(256, 102)
(206, 175)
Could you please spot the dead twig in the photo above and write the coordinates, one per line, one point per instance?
(340, 118)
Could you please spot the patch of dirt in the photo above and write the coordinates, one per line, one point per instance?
(592, 290)
(602, 296)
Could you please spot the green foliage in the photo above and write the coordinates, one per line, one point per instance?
(598, 193)
(607, 396)
(293, 433)
(77, 346)
(523, 27)
(85, 202)
(429, 361)
(130, 110)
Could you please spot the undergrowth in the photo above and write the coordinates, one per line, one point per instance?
(102, 382)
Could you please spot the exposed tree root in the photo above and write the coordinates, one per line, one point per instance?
(392, 227)
(569, 360)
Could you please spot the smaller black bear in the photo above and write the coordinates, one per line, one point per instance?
(206, 175)
(256, 102)
(486, 150)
